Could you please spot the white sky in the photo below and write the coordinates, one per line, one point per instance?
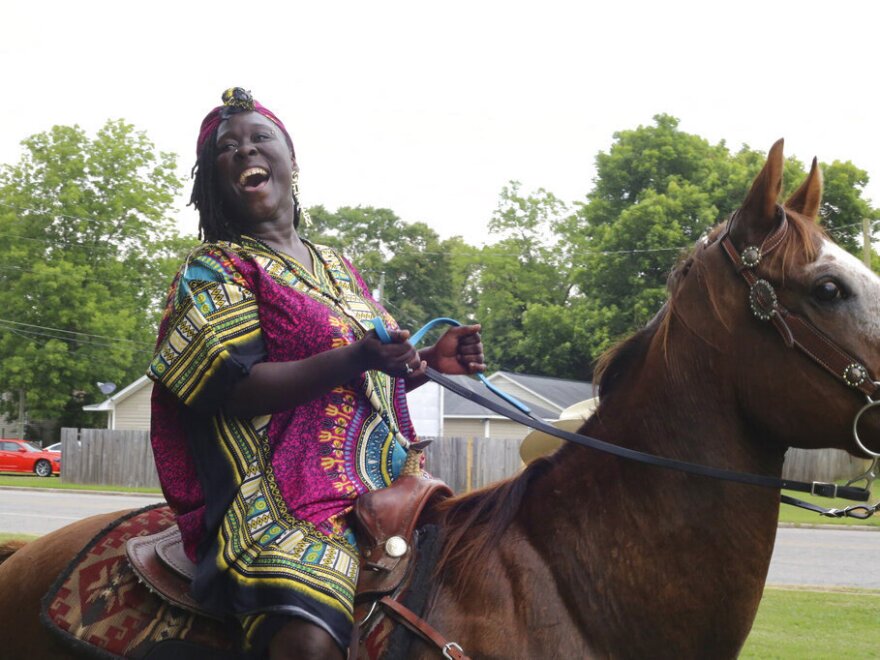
(430, 108)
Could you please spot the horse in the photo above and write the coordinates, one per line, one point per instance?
(584, 554)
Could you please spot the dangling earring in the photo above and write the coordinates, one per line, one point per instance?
(299, 209)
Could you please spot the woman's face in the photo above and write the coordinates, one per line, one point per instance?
(254, 166)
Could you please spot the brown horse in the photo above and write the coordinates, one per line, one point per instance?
(588, 555)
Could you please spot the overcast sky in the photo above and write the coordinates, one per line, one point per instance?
(430, 108)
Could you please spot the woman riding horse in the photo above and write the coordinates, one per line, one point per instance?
(276, 405)
(585, 554)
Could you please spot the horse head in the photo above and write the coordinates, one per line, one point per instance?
(778, 275)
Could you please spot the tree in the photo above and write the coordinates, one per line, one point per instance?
(88, 250)
(656, 191)
(524, 284)
(407, 261)
(843, 208)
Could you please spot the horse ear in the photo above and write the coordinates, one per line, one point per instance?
(806, 199)
(759, 208)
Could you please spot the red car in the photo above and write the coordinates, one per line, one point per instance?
(21, 456)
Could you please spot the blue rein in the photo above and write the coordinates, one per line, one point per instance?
(385, 338)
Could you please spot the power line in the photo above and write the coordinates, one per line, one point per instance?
(71, 332)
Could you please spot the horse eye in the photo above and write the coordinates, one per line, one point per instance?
(827, 291)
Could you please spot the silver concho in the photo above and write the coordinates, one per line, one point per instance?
(762, 300)
(395, 546)
(855, 374)
(751, 256)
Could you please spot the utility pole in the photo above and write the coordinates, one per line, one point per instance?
(380, 290)
(866, 241)
(21, 420)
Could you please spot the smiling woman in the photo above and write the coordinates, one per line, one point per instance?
(276, 406)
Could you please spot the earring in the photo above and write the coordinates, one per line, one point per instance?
(301, 210)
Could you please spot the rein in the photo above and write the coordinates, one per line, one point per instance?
(819, 488)
(794, 330)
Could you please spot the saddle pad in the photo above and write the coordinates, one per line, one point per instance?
(98, 606)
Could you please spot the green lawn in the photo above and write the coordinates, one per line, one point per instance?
(794, 624)
(17, 537)
(787, 514)
(33, 481)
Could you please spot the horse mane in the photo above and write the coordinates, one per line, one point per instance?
(493, 508)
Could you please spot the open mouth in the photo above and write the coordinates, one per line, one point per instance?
(253, 178)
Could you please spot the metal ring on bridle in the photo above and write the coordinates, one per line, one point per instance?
(867, 406)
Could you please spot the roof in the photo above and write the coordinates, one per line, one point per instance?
(558, 394)
(121, 395)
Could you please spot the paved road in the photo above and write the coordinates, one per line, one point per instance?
(802, 556)
(39, 512)
(826, 558)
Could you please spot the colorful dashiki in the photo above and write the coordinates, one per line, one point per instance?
(262, 502)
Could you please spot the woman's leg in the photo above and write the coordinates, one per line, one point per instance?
(301, 640)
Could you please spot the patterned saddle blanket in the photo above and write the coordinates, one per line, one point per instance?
(99, 607)
(103, 607)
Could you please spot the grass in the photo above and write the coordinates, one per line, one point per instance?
(33, 481)
(796, 516)
(787, 514)
(794, 624)
(4, 537)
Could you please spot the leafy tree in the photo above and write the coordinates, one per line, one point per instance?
(408, 262)
(843, 208)
(524, 283)
(88, 249)
(657, 189)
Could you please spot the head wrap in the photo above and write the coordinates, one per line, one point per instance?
(235, 100)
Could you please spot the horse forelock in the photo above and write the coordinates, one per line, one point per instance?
(801, 243)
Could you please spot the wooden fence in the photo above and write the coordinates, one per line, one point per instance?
(108, 458)
(125, 458)
(822, 465)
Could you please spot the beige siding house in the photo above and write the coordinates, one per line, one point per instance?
(462, 418)
(128, 409)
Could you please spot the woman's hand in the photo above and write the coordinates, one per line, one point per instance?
(272, 387)
(397, 358)
(458, 352)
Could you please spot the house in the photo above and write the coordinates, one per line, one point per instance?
(546, 397)
(129, 408)
(435, 411)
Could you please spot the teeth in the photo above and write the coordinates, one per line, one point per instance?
(251, 171)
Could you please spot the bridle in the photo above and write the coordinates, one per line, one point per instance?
(794, 329)
(799, 332)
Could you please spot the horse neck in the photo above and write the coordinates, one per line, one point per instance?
(643, 532)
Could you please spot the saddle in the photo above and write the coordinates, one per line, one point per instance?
(385, 522)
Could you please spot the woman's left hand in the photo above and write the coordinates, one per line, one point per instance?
(458, 352)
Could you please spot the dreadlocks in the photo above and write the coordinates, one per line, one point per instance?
(213, 223)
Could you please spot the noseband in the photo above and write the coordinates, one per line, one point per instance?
(796, 330)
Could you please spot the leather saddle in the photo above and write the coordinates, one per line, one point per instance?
(385, 522)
